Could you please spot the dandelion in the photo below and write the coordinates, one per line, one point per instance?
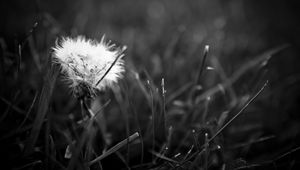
(89, 65)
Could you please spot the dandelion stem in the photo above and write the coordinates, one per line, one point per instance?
(91, 113)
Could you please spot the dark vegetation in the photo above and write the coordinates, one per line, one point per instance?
(234, 106)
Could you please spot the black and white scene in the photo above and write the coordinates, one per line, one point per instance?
(149, 85)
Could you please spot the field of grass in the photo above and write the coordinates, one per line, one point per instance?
(208, 85)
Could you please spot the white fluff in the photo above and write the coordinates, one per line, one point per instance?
(85, 61)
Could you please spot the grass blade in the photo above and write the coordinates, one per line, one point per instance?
(43, 106)
(221, 129)
(178, 93)
(112, 64)
(239, 113)
(28, 112)
(201, 68)
(163, 157)
(115, 148)
(243, 69)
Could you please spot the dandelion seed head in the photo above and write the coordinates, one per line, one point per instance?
(84, 62)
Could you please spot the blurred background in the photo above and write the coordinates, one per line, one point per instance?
(165, 39)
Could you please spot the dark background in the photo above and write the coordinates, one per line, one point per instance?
(166, 38)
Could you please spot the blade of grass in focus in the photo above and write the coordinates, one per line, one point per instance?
(239, 113)
(115, 148)
(209, 140)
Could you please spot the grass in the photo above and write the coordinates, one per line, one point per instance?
(181, 105)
